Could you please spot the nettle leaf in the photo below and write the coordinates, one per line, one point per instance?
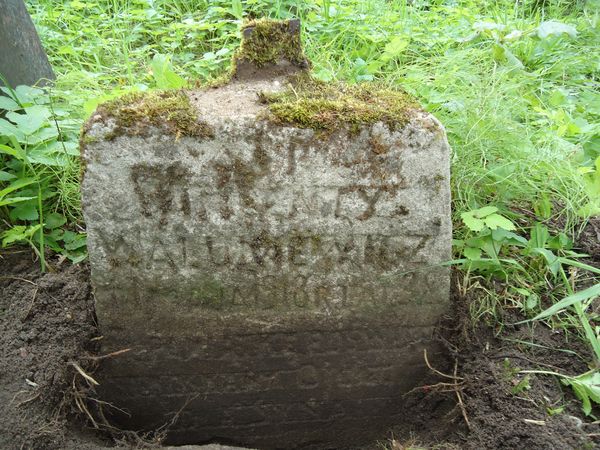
(18, 233)
(472, 223)
(472, 253)
(35, 117)
(54, 220)
(76, 258)
(164, 75)
(508, 237)
(28, 94)
(5, 176)
(25, 211)
(485, 211)
(72, 148)
(586, 388)
(458, 243)
(78, 242)
(477, 219)
(69, 236)
(57, 147)
(394, 48)
(485, 243)
(494, 221)
(9, 129)
(42, 135)
(555, 28)
(8, 104)
(40, 156)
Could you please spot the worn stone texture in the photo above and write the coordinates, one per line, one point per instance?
(277, 284)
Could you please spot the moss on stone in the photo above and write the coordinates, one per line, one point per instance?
(171, 110)
(267, 41)
(310, 103)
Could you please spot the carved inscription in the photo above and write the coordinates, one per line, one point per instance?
(269, 225)
(250, 265)
(161, 190)
(349, 208)
(264, 252)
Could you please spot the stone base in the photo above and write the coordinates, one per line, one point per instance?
(335, 385)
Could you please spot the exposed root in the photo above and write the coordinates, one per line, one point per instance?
(452, 377)
(455, 386)
(458, 392)
(18, 279)
(87, 377)
(23, 402)
(151, 438)
(108, 355)
(83, 396)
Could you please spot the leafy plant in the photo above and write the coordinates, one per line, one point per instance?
(522, 385)
(38, 145)
(585, 386)
(490, 234)
(164, 75)
(592, 188)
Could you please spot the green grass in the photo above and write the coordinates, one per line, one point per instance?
(521, 108)
(520, 127)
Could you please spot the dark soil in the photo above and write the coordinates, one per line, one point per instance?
(503, 411)
(589, 240)
(47, 325)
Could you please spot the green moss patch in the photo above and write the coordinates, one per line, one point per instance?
(310, 103)
(171, 110)
(267, 41)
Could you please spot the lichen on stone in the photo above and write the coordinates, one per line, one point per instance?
(268, 41)
(169, 109)
(311, 103)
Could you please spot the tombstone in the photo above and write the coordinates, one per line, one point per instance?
(269, 250)
(22, 58)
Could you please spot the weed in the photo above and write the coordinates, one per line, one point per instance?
(37, 149)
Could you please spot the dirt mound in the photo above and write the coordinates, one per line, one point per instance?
(511, 410)
(46, 324)
(505, 409)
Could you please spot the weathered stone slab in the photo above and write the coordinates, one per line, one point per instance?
(278, 281)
